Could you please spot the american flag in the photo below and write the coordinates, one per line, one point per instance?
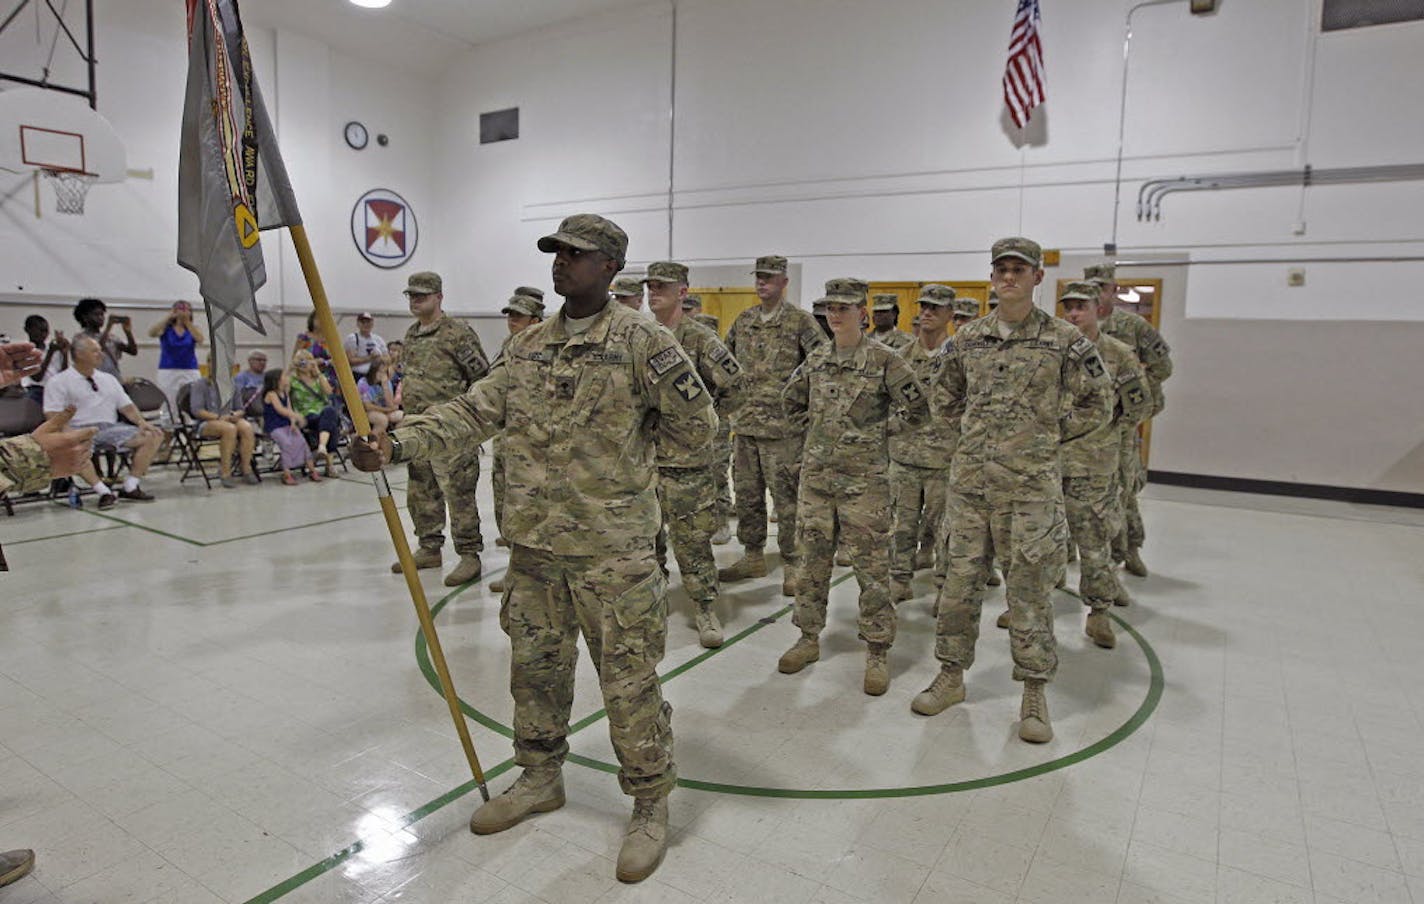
(1023, 74)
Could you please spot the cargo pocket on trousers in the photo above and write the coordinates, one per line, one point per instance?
(640, 615)
(1041, 532)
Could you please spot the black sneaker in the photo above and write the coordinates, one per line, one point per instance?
(107, 501)
(135, 495)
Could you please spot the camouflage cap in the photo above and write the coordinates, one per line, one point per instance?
(818, 307)
(1102, 274)
(886, 301)
(526, 300)
(666, 271)
(1080, 290)
(936, 294)
(626, 286)
(588, 232)
(993, 299)
(770, 265)
(849, 286)
(967, 308)
(692, 302)
(423, 283)
(1019, 247)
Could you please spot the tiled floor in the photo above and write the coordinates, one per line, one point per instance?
(211, 713)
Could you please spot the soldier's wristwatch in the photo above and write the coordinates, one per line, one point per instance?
(395, 448)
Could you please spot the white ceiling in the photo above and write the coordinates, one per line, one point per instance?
(419, 36)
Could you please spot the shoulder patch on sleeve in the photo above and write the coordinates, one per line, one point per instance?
(688, 386)
(666, 360)
(910, 391)
(1081, 347)
(724, 359)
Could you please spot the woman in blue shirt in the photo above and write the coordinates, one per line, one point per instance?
(178, 342)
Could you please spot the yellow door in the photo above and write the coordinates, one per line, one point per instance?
(725, 303)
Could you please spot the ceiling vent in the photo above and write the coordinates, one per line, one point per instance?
(1337, 15)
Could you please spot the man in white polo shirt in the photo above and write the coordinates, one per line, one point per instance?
(363, 346)
(99, 401)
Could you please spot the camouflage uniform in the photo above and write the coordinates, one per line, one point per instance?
(1015, 400)
(439, 363)
(1156, 356)
(24, 468)
(722, 451)
(919, 466)
(687, 483)
(1090, 462)
(767, 443)
(895, 338)
(849, 395)
(528, 301)
(582, 413)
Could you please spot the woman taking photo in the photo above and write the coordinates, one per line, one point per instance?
(311, 398)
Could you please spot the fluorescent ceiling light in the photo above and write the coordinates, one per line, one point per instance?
(1130, 296)
(371, 4)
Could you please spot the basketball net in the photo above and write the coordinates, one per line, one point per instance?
(70, 189)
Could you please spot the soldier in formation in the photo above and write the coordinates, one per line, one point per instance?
(584, 399)
(885, 317)
(628, 291)
(687, 479)
(770, 341)
(722, 455)
(524, 309)
(442, 358)
(848, 389)
(1017, 382)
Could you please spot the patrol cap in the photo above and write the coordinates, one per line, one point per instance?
(1017, 246)
(936, 294)
(626, 286)
(692, 303)
(848, 286)
(424, 283)
(1080, 290)
(1102, 274)
(819, 307)
(770, 265)
(666, 271)
(588, 232)
(526, 300)
(967, 308)
(888, 301)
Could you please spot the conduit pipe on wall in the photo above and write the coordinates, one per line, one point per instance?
(1150, 195)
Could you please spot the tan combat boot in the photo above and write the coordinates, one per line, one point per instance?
(500, 541)
(14, 865)
(900, 591)
(946, 690)
(535, 791)
(709, 629)
(645, 841)
(723, 536)
(806, 650)
(1003, 621)
(877, 671)
(425, 557)
(1132, 561)
(789, 582)
(497, 585)
(1124, 600)
(467, 570)
(843, 559)
(1099, 629)
(1034, 726)
(924, 558)
(752, 564)
(993, 580)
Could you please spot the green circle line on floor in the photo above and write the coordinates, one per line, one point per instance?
(1156, 683)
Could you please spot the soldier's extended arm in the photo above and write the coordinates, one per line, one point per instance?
(686, 423)
(1088, 390)
(796, 394)
(907, 394)
(1134, 396)
(24, 468)
(458, 424)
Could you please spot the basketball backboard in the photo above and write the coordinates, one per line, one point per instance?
(47, 131)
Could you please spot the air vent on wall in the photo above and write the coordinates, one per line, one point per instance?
(501, 125)
(1341, 14)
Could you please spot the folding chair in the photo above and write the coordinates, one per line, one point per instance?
(189, 441)
(151, 401)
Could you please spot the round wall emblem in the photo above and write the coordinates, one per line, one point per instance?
(384, 228)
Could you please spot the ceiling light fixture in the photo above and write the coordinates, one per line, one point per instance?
(371, 4)
(1129, 295)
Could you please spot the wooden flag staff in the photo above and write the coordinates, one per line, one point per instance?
(383, 490)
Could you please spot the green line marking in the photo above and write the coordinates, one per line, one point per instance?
(283, 530)
(204, 544)
(92, 530)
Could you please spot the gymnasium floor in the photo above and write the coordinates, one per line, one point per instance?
(220, 697)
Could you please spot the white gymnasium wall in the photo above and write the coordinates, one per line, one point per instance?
(124, 246)
(869, 139)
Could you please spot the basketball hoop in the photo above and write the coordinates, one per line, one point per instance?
(70, 189)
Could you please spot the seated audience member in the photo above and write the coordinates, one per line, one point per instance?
(99, 401)
(312, 341)
(247, 386)
(228, 426)
(311, 398)
(178, 341)
(394, 349)
(284, 425)
(93, 318)
(378, 398)
(56, 356)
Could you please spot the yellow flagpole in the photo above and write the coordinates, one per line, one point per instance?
(383, 491)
